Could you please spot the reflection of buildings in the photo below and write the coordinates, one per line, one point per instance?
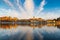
(33, 22)
(8, 26)
(50, 22)
(37, 21)
(58, 26)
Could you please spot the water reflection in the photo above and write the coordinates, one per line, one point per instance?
(29, 32)
(9, 26)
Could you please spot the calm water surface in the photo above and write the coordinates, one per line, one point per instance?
(30, 33)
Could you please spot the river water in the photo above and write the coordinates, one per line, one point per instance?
(29, 32)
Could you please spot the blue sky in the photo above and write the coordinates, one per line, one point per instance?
(50, 7)
(49, 3)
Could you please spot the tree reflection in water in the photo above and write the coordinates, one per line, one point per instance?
(26, 32)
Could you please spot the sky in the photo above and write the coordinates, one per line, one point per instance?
(46, 9)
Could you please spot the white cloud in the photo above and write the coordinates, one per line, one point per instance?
(41, 7)
(19, 6)
(28, 13)
(50, 15)
(9, 3)
(13, 13)
(29, 6)
(8, 12)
